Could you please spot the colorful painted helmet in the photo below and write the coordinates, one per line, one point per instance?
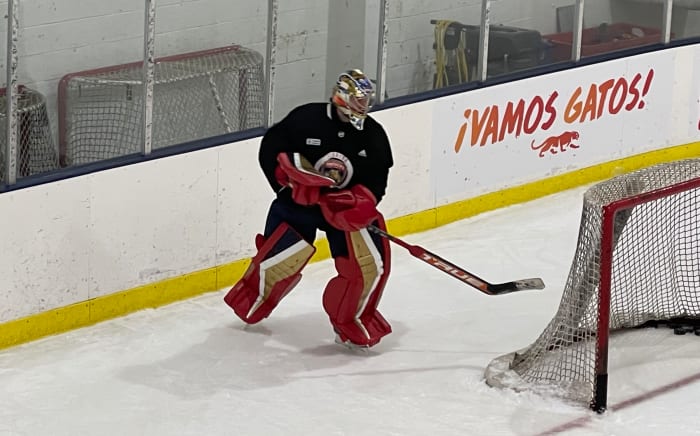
(353, 95)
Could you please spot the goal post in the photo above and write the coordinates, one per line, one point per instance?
(637, 261)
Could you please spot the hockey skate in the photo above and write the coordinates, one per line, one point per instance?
(350, 345)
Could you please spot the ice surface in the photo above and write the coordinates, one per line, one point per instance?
(192, 368)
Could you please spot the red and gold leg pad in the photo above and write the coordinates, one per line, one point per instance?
(351, 298)
(272, 274)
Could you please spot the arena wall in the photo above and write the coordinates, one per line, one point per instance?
(64, 37)
(89, 248)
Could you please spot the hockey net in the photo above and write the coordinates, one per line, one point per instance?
(195, 95)
(36, 152)
(637, 262)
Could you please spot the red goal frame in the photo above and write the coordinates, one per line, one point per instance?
(599, 401)
(63, 86)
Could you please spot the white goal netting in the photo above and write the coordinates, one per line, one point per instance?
(195, 96)
(36, 151)
(653, 274)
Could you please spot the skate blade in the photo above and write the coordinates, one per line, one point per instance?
(351, 346)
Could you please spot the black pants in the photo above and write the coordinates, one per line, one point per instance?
(306, 220)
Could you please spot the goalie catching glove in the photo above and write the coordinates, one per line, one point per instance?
(350, 209)
(298, 173)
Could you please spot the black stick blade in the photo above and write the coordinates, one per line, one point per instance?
(516, 285)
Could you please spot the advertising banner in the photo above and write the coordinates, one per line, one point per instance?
(523, 131)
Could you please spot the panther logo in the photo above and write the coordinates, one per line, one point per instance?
(335, 169)
(336, 166)
(555, 144)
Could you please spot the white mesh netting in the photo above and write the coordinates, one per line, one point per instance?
(195, 96)
(655, 276)
(36, 152)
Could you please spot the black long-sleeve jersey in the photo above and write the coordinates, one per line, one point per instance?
(315, 131)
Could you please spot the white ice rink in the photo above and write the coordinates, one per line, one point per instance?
(192, 369)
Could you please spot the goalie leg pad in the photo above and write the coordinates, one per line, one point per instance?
(351, 298)
(272, 274)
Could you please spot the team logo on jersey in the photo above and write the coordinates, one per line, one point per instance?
(336, 166)
(313, 141)
(341, 134)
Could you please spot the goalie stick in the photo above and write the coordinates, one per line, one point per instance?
(459, 273)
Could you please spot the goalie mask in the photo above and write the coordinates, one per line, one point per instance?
(352, 95)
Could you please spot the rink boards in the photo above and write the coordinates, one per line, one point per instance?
(89, 248)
